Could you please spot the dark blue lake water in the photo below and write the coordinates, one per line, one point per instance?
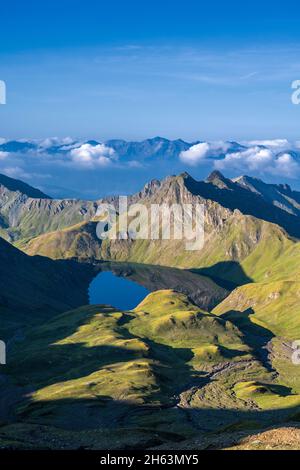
(122, 293)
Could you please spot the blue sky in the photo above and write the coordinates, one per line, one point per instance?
(211, 70)
(133, 70)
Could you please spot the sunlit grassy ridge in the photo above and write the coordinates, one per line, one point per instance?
(270, 309)
(77, 241)
(85, 354)
(97, 366)
(267, 396)
(95, 351)
(274, 305)
(169, 318)
(262, 251)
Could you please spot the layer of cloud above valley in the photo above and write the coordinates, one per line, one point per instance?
(273, 157)
(68, 167)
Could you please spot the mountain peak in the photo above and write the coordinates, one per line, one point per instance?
(185, 175)
(215, 175)
(218, 179)
(157, 138)
(246, 178)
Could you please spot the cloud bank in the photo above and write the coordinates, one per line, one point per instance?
(92, 156)
(93, 167)
(198, 153)
(275, 157)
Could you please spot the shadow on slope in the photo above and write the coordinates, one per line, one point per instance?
(88, 373)
(226, 274)
(106, 423)
(232, 196)
(93, 352)
(201, 290)
(255, 336)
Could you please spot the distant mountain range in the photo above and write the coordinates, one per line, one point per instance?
(66, 168)
(154, 148)
(157, 146)
(149, 148)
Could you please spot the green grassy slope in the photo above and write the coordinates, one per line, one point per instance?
(77, 241)
(98, 350)
(164, 372)
(243, 248)
(271, 309)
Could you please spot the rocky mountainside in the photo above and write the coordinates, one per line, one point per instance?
(13, 185)
(235, 195)
(240, 228)
(279, 195)
(26, 212)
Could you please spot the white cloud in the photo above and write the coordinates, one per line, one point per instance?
(15, 172)
(55, 141)
(274, 143)
(194, 154)
(3, 155)
(254, 158)
(135, 164)
(257, 156)
(285, 165)
(91, 156)
(199, 152)
(260, 160)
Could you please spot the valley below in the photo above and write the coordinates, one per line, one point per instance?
(124, 344)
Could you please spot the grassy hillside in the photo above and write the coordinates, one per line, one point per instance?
(238, 249)
(157, 375)
(241, 239)
(77, 241)
(99, 345)
(272, 305)
(270, 309)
